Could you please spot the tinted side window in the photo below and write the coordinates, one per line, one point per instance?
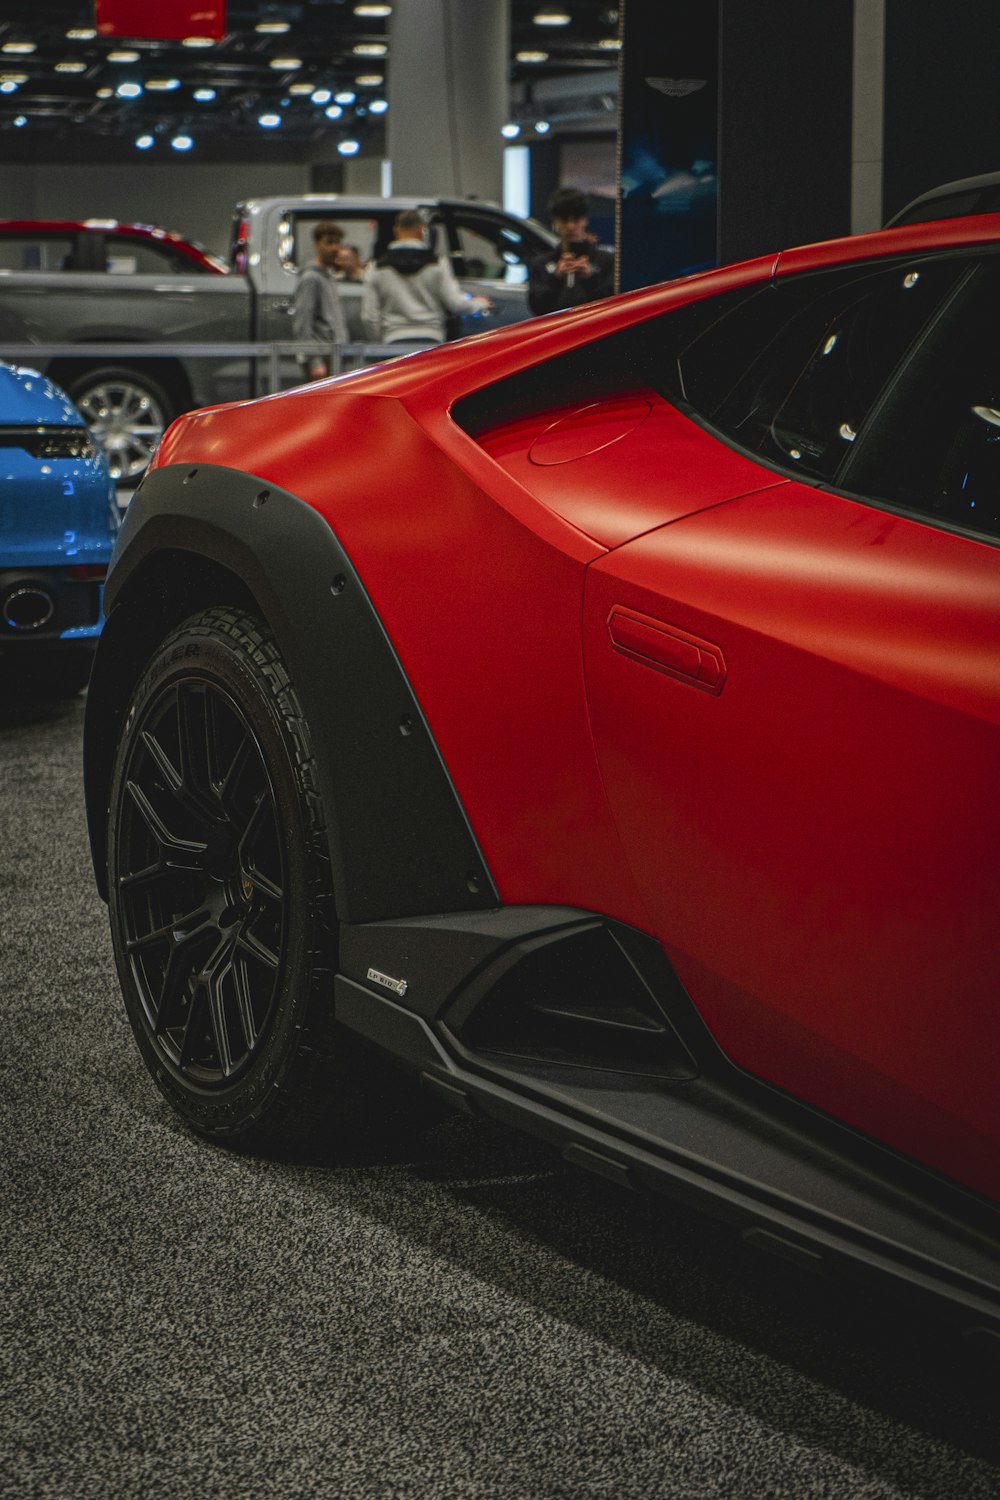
(792, 372)
(934, 443)
(498, 251)
(128, 255)
(295, 236)
(36, 252)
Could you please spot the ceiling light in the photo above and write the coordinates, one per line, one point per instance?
(123, 57)
(182, 143)
(269, 122)
(18, 47)
(204, 96)
(370, 49)
(198, 41)
(285, 64)
(104, 93)
(348, 148)
(301, 87)
(379, 106)
(81, 34)
(345, 97)
(334, 112)
(369, 80)
(552, 17)
(321, 96)
(8, 86)
(71, 67)
(129, 90)
(14, 79)
(375, 11)
(610, 44)
(542, 127)
(272, 28)
(163, 85)
(21, 120)
(532, 56)
(143, 142)
(510, 131)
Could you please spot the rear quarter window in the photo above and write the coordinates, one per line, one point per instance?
(792, 372)
(34, 252)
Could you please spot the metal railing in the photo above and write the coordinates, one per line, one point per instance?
(264, 359)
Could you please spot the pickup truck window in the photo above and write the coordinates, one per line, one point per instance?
(369, 235)
(36, 252)
(296, 236)
(494, 251)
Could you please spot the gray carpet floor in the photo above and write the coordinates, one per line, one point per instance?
(461, 1320)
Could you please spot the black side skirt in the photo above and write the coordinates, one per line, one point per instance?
(574, 1028)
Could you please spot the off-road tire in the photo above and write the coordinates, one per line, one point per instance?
(303, 1077)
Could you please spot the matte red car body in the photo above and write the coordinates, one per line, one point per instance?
(795, 782)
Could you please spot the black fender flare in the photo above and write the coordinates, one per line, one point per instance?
(400, 842)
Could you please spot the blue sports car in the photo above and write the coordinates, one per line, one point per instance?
(58, 521)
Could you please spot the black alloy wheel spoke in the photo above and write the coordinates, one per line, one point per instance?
(229, 786)
(217, 1016)
(245, 1003)
(173, 930)
(169, 771)
(253, 945)
(254, 827)
(193, 1022)
(183, 964)
(137, 878)
(203, 868)
(197, 731)
(187, 854)
(178, 788)
(267, 887)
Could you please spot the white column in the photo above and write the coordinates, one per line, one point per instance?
(448, 66)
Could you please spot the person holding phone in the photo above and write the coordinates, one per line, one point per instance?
(575, 272)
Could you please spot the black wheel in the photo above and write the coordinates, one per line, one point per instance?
(127, 411)
(221, 908)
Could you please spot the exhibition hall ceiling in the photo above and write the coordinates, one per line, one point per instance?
(296, 74)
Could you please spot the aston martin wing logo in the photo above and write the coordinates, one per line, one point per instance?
(676, 88)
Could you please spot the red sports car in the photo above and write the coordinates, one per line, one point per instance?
(600, 718)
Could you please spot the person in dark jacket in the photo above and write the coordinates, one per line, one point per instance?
(409, 292)
(317, 315)
(575, 272)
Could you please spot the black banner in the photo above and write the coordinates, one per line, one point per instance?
(669, 140)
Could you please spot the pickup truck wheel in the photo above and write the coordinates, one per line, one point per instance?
(220, 899)
(127, 411)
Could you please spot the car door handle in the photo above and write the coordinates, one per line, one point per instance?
(667, 649)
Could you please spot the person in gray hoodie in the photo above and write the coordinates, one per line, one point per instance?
(409, 292)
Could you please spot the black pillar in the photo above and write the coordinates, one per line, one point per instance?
(736, 130)
(942, 104)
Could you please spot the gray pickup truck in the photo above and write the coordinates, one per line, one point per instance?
(99, 282)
